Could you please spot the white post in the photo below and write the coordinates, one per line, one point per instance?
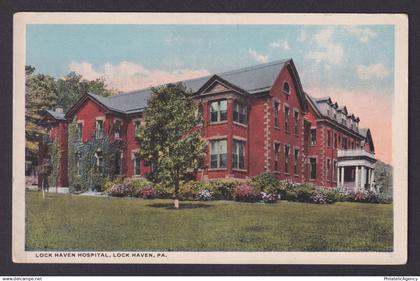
(356, 179)
(338, 176)
(363, 181)
(342, 177)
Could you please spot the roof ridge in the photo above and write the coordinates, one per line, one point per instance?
(229, 72)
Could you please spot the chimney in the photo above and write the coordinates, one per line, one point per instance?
(59, 109)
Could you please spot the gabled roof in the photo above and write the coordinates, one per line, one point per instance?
(365, 132)
(56, 115)
(343, 109)
(254, 79)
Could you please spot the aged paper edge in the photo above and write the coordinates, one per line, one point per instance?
(399, 139)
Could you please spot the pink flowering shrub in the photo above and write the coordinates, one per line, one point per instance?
(147, 193)
(245, 193)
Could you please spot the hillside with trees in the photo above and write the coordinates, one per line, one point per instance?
(383, 177)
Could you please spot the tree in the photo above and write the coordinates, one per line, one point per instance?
(169, 137)
(72, 87)
(40, 94)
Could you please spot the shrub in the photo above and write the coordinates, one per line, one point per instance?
(265, 182)
(319, 198)
(304, 193)
(163, 191)
(245, 193)
(359, 197)
(204, 195)
(268, 197)
(108, 184)
(189, 190)
(119, 190)
(147, 193)
(137, 185)
(331, 195)
(223, 189)
(289, 195)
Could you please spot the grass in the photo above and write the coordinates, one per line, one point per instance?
(68, 222)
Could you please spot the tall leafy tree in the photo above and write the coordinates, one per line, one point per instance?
(72, 86)
(40, 94)
(169, 138)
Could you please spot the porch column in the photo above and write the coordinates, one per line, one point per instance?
(363, 179)
(356, 179)
(338, 176)
(342, 177)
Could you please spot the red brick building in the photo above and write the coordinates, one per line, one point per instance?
(256, 119)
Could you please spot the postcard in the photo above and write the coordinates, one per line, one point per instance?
(210, 138)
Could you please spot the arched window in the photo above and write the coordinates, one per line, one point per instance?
(286, 88)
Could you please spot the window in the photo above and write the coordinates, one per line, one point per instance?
(99, 129)
(328, 112)
(335, 139)
(344, 143)
(352, 145)
(328, 138)
(218, 111)
(313, 136)
(286, 119)
(99, 163)
(295, 163)
(327, 170)
(276, 156)
(218, 154)
(79, 131)
(335, 116)
(137, 125)
(312, 168)
(296, 119)
(239, 113)
(136, 164)
(238, 152)
(117, 129)
(276, 114)
(286, 88)
(286, 159)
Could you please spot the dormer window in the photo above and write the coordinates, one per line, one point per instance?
(286, 88)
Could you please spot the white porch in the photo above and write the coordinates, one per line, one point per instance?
(356, 170)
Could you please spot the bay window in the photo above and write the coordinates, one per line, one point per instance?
(218, 111)
(239, 113)
(238, 154)
(218, 154)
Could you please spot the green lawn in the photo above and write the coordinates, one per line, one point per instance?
(68, 222)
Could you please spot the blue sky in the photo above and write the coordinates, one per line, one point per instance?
(349, 63)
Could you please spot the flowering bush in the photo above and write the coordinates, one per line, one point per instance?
(268, 197)
(189, 190)
(359, 197)
(147, 193)
(319, 198)
(108, 184)
(204, 195)
(245, 193)
(119, 190)
(137, 185)
(163, 191)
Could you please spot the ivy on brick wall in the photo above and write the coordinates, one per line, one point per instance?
(93, 162)
(55, 162)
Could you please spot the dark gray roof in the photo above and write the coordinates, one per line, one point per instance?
(253, 79)
(56, 115)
